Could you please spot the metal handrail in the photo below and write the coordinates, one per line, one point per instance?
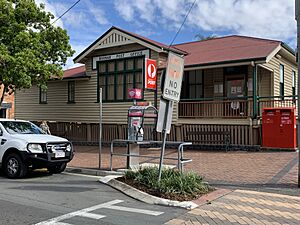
(180, 159)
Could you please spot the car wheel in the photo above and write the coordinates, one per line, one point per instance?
(57, 168)
(14, 167)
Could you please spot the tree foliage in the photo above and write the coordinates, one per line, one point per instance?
(201, 37)
(32, 50)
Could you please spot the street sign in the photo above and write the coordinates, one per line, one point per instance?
(150, 74)
(163, 117)
(173, 80)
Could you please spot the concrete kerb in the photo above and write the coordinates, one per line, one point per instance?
(142, 196)
(92, 172)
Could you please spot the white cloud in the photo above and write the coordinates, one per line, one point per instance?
(97, 12)
(125, 9)
(248, 17)
(270, 19)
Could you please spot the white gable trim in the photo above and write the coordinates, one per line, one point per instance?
(117, 38)
(273, 53)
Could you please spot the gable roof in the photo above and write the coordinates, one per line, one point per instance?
(130, 38)
(222, 50)
(73, 73)
(228, 49)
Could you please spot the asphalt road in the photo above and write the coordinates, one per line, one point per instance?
(72, 199)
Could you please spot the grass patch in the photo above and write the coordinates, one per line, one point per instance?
(173, 185)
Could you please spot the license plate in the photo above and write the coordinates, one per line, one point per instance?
(60, 154)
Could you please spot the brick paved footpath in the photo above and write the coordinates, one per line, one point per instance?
(245, 207)
(242, 168)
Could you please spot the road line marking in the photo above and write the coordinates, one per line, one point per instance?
(92, 216)
(135, 210)
(78, 213)
(86, 213)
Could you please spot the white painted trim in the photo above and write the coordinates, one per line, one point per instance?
(132, 39)
(266, 67)
(273, 53)
(222, 65)
(136, 40)
(113, 44)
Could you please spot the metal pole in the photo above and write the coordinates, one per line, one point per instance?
(100, 127)
(164, 131)
(297, 15)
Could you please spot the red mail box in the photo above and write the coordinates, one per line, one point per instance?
(279, 128)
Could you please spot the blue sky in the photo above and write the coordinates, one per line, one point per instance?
(160, 19)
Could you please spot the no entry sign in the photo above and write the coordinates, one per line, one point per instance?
(173, 80)
(150, 74)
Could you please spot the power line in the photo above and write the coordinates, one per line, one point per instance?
(65, 12)
(182, 23)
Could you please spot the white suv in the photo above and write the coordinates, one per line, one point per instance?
(23, 146)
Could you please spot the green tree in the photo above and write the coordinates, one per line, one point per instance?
(32, 50)
(201, 37)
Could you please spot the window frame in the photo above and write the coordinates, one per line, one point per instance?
(115, 73)
(185, 93)
(294, 84)
(43, 96)
(71, 91)
(281, 81)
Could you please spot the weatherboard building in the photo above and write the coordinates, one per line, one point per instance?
(227, 81)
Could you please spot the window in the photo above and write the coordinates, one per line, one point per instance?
(71, 92)
(281, 80)
(293, 84)
(117, 76)
(192, 85)
(43, 96)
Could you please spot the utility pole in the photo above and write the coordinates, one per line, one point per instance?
(297, 15)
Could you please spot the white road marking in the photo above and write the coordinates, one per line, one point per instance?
(92, 216)
(135, 210)
(86, 213)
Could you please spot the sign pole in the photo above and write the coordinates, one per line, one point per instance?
(164, 131)
(297, 15)
(100, 128)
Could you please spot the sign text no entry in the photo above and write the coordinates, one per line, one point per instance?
(173, 80)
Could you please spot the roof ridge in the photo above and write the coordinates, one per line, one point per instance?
(190, 42)
(257, 38)
(229, 36)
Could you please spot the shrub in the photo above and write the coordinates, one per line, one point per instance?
(172, 181)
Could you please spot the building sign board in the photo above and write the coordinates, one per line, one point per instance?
(173, 79)
(150, 74)
(119, 56)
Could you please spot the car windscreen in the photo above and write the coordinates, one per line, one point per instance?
(20, 127)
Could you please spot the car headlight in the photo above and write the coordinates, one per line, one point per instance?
(35, 148)
(69, 148)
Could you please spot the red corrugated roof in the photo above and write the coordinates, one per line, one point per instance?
(225, 49)
(77, 72)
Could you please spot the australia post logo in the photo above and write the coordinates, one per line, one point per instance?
(150, 73)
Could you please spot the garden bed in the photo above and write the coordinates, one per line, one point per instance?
(174, 185)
